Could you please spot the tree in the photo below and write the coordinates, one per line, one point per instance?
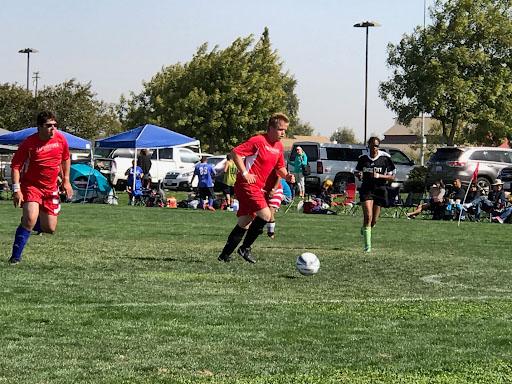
(16, 107)
(220, 97)
(458, 70)
(299, 127)
(344, 135)
(78, 110)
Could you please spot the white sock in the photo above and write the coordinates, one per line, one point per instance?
(271, 226)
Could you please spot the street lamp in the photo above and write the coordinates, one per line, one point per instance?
(28, 51)
(366, 24)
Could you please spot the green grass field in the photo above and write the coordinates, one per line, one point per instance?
(136, 295)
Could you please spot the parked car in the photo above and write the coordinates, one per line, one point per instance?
(337, 162)
(183, 180)
(164, 160)
(449, 163)
(505, 175)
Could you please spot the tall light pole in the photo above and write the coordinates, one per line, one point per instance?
(28, 51)
(366, 24)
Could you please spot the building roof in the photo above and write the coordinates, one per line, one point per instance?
(414, 127)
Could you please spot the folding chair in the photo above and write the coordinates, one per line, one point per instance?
(393, 202)
(412, 200)
(348, 199)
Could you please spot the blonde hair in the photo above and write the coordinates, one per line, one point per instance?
(273, 122)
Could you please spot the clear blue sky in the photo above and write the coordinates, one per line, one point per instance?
(118, 44)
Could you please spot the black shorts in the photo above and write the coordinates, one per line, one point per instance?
(228, 189)
(379, 194)
(205, 192)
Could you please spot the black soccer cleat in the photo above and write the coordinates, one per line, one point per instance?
(224, 258)
(14, 261)
(247, 255)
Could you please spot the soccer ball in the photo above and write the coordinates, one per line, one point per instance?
(308, 264)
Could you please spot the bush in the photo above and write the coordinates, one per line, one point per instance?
(416, 181)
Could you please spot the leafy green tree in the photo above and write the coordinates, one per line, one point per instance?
(78, 110)
(221, 97)
(458, 70)
(344, 135)
(299, 127)
(16, 107)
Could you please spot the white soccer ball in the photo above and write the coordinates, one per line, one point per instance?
(308, 264)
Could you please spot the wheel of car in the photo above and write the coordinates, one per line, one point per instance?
(484, 184)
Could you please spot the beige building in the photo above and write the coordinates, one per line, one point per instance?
(408, 138)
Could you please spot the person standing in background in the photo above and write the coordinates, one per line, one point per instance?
(299, 164)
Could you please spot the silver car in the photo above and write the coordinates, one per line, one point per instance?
(449, 163)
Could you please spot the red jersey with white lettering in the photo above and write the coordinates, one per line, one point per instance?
(39, 162)
(261, 158)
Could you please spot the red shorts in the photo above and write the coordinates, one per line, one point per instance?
(251, 199)
(48, 201)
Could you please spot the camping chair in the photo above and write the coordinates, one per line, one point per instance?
(412, 200)
(348, 199)
(394, 202)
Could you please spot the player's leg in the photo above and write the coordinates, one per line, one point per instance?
(263, 216)
(30, 215)
(271, 225)
(367, 220)
(235, 237)
(211, 196)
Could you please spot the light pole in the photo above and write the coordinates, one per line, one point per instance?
(28, 51)
(366, 24)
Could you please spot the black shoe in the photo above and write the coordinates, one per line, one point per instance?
(246, 254)
(272, 235)
(224, 258)
(14, 261)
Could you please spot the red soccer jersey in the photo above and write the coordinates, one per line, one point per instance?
(39, 161)
(261, 158)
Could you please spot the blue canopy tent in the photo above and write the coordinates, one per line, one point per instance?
(147, 136)
(15, 138)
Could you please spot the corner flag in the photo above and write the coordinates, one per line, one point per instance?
(475, 174)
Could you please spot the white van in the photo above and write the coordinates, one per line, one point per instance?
(163, 161)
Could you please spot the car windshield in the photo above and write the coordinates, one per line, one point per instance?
(446, 154)
(214, 160)
(311, 152)
(102, 152)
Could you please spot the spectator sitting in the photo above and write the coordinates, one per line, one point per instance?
(455, 198)
(326, 191)
(436, 192)
(495, 202)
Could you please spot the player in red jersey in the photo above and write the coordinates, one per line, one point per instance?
(35, 168)
(256, 159)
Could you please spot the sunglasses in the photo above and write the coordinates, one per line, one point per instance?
(50, 125)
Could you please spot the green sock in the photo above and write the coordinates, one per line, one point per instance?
(367, 231)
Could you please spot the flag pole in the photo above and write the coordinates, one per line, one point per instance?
(475, 178)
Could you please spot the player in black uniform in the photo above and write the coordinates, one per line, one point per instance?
(376, 169)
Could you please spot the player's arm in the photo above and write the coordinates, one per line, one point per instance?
(17, 163)
(17, 196)
(239, 162)
(390, 175)
(358, 172)
(66, 166)
(283, 172)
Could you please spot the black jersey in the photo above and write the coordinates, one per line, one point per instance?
(381, 164)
